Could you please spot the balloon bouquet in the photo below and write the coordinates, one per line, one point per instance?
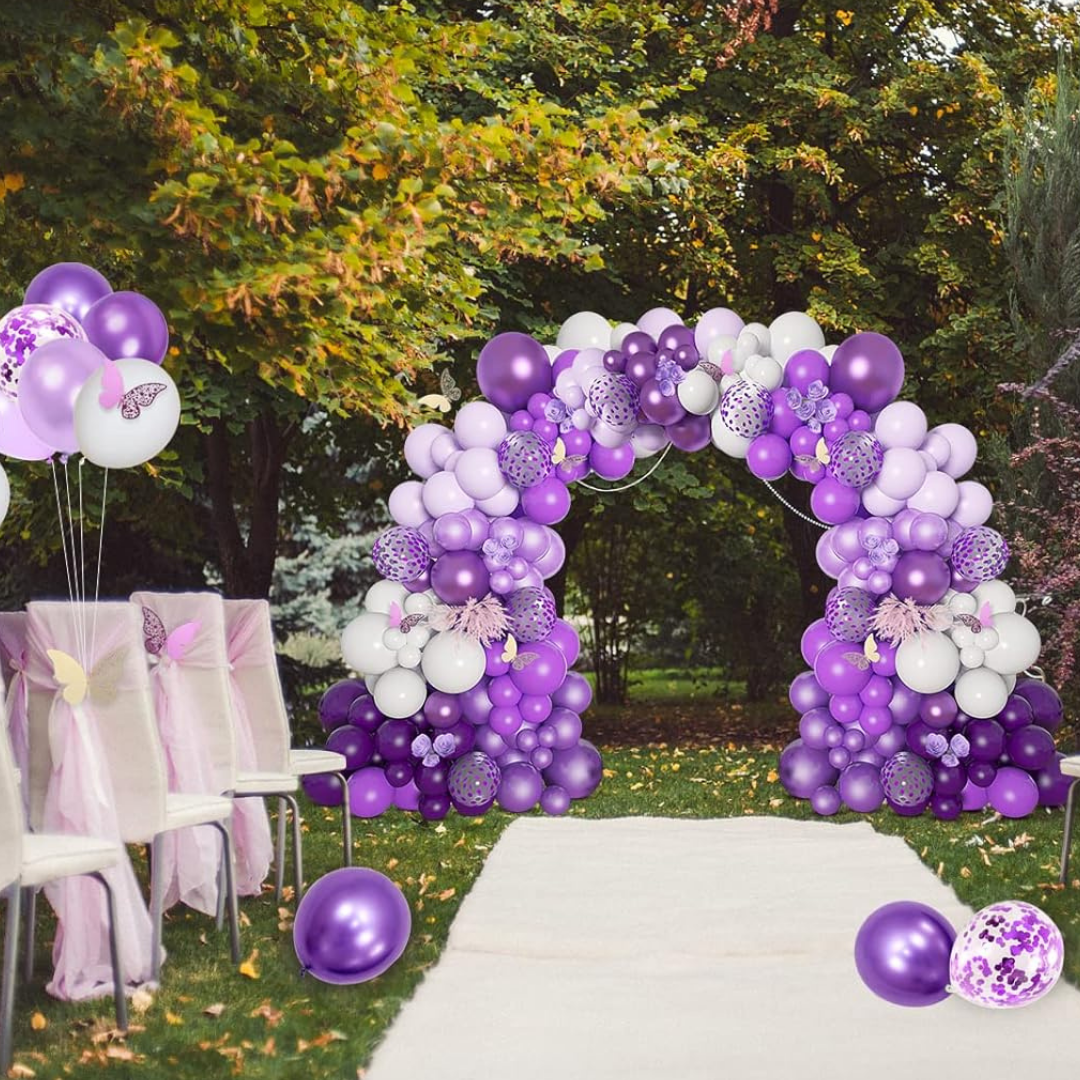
(1010, 955)
(80, 372)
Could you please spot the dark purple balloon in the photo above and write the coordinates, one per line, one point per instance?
(892, 741)
(982, 773)
(987, 739)
(946, 807)
(511, 368)
(949, 779)
(921, 576)
(458, 576)
(434, 807)
(335, 702)
(637, 341)
(641, 367)
(803, 769)
(432, 779)
(399, 773)
(579, 770)
(363, 713)
(394, 740)
(520, 788)
(869, 368)
(323, 789)
(938, 710)
(691, 433)
(657, 407)
(464, 735)
(902, 953)
(1031, 747)
(1016, 714)
(442, 710)
(354, 744)
(487, 740)
(1044, 700)
(1053, 784)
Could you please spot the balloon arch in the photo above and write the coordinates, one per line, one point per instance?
(915, 695)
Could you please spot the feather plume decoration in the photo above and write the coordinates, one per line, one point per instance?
(896, 620)
(483, 620)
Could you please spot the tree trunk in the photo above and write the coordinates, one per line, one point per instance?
(572, 529)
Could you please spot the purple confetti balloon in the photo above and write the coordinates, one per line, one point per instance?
(747, 409)
(980, 554)
(525, 459)
(907, 779)
(849, 614)
(474, 780)
(401, 554)
(613, 398)
(855, 459)
(1009, 955)
(22, 330)
(530, 613)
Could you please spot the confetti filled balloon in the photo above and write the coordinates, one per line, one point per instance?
(401, 554)
(747, 408)
(525, 459)
(849, 614)
(1009, 955)
(907, 779)
(474, 780)
(613, 399)
(530, 613)
(855, 459)
(25, 328)
(980, 554)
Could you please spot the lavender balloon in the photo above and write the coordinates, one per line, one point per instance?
(525, 459)
(474, 780)
(855, 459)
(849, 614)
(902, 953)
(26, 328)
(351, 926)
(401, 554)
(747, 408)
(50, 382)
(980, 554)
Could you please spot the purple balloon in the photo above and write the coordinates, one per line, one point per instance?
(814, 638)
(612, 463)
(918, 734)
(804, 367)
(126, 325)
(354, 744)
(434, 807)
(1014, 793)
(398, 774)
(982, 773)
(921, 576)
(407, 797)
(946, 807)
(370, 793)
(892, 741)
(567, 728)
(869, 368)
(839, 757)
(973, 797)
(902, 953)
(432, 779)
(351, 926)
(335, 702)
(768, 456)
(578, 769)
(657, 407)
(986, 739)
(547, 502)
(860, 787)
(813, 726)
(50, 382)
(520, 788)
(691, 433)
(938, 710)
(534, 708)
(323, 789)
(452, 531)
(511, 368)
(928, 532)
(575, 693)
(442, 710)
(1053, 784)
(1016, 714)
(836, 673)
(905, 703)
(875, 720)
(565, 638)
(475, 703)
(73, 286)
(544, 674)
(784, 420)
(363, 713)
(825, 800)
(877, 692)
(555, 800)
(803, 769)
(806, 693)
(949, 779)
(458, 576)
(832, 502)
(1031, 747)
(845, 708)
(1045, 703)
(394, 739)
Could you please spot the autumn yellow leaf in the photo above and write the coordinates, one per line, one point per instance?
(38, 1022)
(248, 968)
(172, 1018)
(380, 171)
(447, 893)
(772, 776)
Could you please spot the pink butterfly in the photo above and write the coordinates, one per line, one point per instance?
(173, 645)
(395, 614)
(986, 616)
(131, 402)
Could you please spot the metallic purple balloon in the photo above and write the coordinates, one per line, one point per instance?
(370, 794)
(860, 787)
(691, 433)
(125, 325)
(803, 769)
(806, 693)
(813, 726)
(825, 800)
(902, 953)
(921, 576)
(658, 407)
(520, 787)
(938, 710)
(73, 286)
(869, 368)
(555, 800)
(578, 770)
(511, 368)
(351, 926)
(575, 693)
(928, 532)
(335, 702)
(458, 576)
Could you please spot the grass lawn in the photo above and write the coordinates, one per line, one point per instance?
(278, 1024)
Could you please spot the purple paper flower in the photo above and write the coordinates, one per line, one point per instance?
(498, 553)
(668, 376)
(558, 412)
(950, 751)
(814, 409)
(881, 550)
(431, 753)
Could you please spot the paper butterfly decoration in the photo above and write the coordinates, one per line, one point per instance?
(76, 685)
(518, 661)
(869, 655)
(820, 458)
(558, 455)
(983, 621)
(712, 370)
(401, 622)
(131, 402)
(158, 642)
(449, 392)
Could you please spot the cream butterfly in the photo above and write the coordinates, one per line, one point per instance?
(510, 655)
(76, 685)
(558, 455)
(449, 393)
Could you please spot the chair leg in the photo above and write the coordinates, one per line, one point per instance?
(298, 845)
(230, 886)
(1067, 840)
(279, 860)
(30, 900)
(219, 919)
(7, 981)
(114, 955)
(157, 905)
(346, 819)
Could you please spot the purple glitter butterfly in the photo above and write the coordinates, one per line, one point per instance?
(432, 752)
(949, 750)
(814, 409)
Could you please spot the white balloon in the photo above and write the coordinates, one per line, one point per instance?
(394, 639)
(453, 662)
(827, 351)
(502, 504)
(479, 423)
(725, 440)
(971, 656)
(418, 449)
(419, 603)
(418, 636)
(406, 504)
(792, 331)
(765, 370)
(761, 332)
(962, 637)
(698, 392)
(1018, 645)
(108, 438)
(552, 352)
(980, 693)
(746, 345)
(878, 504)
(586, 359)
(987, 638)
(927, 662)
(902, 473)
(371, 681)
(997, 594)
(384, 593)
(5, 494)
(963, 449)
(588, 377)
(961, 603)
(362, 644)
(606, 435)
(585, 330)
(409, 655)
(478, 473)
(648, 439)
(400, 693)
(728, 381)
(618, 334)
(1010, 683)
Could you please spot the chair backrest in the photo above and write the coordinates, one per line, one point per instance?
(254, 671)
(196, 678)
(118, 704)
(11, 817)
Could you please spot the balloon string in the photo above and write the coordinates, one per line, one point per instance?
(82, 553)
(97, 578)
(795, 510)
(74, 570)
(633, 483)
(63, 539)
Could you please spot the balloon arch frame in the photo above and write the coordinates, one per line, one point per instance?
(919, 692)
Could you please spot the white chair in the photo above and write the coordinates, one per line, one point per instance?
(254, 672)
(1070, 766)
(28, 861)
(207, 687)
(148, 813)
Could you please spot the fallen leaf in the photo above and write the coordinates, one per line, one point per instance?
(965, 872)
(268, 1048)
(772, 776)
(141, 1000)
(447, 893)
(21, 1072)
(267, 1011)
(214, 1010)
(38, 1022)
(248, 968)
(173, 1019)
(122, 1053)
